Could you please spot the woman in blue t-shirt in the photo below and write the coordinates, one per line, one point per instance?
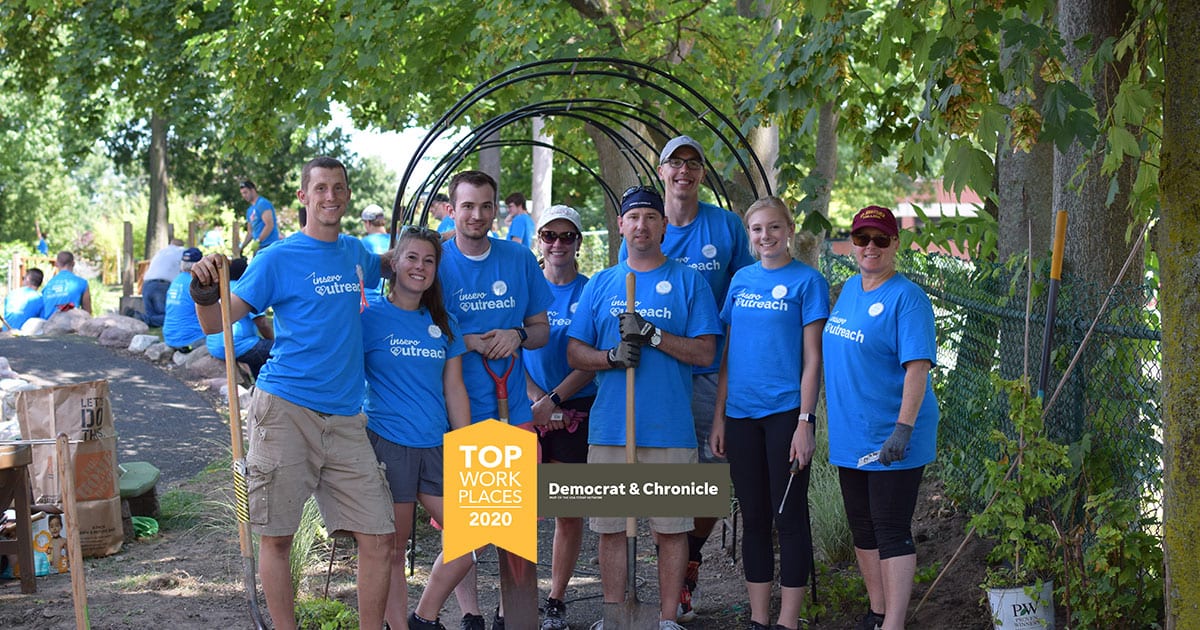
(562, 396)
(766, 395)
(879, 348)
(415, 393)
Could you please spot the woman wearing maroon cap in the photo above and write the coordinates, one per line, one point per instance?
(879, 347)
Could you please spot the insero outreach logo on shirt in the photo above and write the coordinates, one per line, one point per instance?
(482, 301)
(332, 284)
(400, 346)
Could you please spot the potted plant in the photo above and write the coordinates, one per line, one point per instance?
(1021, 483)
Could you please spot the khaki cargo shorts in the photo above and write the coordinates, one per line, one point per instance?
(295, 453)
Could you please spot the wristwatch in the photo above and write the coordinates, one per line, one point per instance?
(521, 331)
(656, 338)
(556, 399)
(810, 418)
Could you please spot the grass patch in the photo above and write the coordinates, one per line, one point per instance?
(180, 509)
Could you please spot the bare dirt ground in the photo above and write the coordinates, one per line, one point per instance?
(189, 575)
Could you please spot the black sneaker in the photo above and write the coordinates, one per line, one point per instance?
(870, 621)
(497, 620)
(556, 615)
(473, 622)
(416, 623)
(754, 625)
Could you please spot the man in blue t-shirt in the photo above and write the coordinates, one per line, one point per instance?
(181, 328)
(306, 427)
(713, 241)
(673, 329)
(26, 301)
(440, 209)
(499, 296)
(520, 224)
(376, 239)
(65, 290)
(261, 225)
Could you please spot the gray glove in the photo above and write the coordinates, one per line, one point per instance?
(635, 328)
(624, 355)
(204, 294)
(893, 449)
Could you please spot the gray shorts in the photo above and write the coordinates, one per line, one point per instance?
(704, 402)
(409, 470)
(598, 454)
(295, 453)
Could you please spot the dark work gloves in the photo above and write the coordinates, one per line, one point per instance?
(204, 294)
(624, 355)
(635, 328)
(893, 448)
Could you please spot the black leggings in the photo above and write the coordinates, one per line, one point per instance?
(879, 506)
(757, 450)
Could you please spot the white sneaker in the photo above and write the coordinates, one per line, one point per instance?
(599, 625)
(667, 624)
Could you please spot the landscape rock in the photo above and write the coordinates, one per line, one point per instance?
(101, 323)
(64, 322)
(33, 326)
(204, 366)
(159, 352)
(116, 337)
(140, 343)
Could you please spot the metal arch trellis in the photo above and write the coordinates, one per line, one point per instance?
(577, 67)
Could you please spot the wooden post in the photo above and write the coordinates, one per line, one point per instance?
(193, 226)
(128, 266)
(66, 480)
(170, 232)
(237, 241)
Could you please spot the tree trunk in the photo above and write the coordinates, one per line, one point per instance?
(808, 245)
(540, 189)
(1096, 248)
(489, 160)
(1179, 239)
(618, 174)
(1026, 195)
(159, 216)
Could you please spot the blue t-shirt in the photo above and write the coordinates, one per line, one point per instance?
(446, 225)
(181, 327)
(376, 244)
(716, 245)
(43, 247)
(254, 216)
(499, 291)
(866, 342)
(406, 354)
(65, 287)
(767, 310)
(674, 298)
(522, 228)
(547, 366)
(316, 360)
(22, 304)
(245, 337)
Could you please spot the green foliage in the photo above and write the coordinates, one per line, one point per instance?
(840, 591)
(179, 509)
(1021, 484)
(830, 530)
(325, 614)
(307, 542)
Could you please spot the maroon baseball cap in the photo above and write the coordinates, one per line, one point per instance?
(877, 217)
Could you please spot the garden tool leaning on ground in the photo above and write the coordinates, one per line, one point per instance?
(240, 490)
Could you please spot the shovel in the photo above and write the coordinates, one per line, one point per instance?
(240, 490)
(630, 614)
(518, 576)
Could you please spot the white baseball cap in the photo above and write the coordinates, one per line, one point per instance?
(372, 213)
(675, 144)
(560, 212)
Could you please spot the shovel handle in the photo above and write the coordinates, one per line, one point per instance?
(66, 480)
(630, 428)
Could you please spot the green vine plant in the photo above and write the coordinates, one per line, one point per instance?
(1022, 482)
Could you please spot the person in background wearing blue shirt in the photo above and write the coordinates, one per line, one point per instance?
(26, 301)
(561, 396)
(42, 246)
(181, 328)
(253, 335)
(65, 290)
(415, 393)
(674, 329)
(766, 396)
(879, 346)
(497, 290)
(261, 225)
(520, 224)
(440, 208)
(713, 241)
(376, 239)
(307, 431)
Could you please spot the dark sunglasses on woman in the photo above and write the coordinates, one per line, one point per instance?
(881, 241)
(549, 237)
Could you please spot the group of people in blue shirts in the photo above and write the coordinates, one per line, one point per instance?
(732, 336)
(64, 291)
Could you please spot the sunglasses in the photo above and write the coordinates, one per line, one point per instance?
(881, 241)
(549, 237)
(421, 232)
(693, 165)
(636, 189)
